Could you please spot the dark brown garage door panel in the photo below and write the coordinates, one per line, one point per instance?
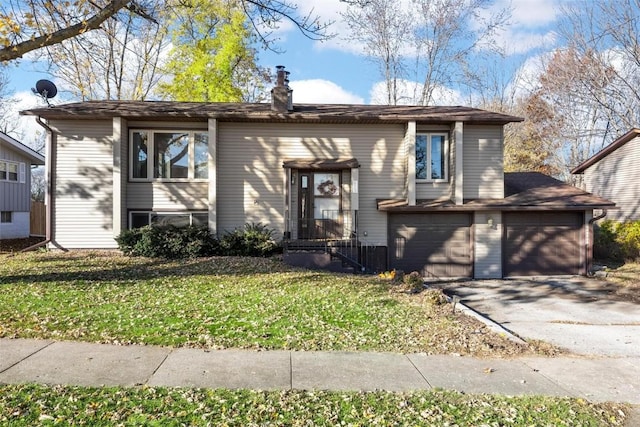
(435, 244)
(542, 243)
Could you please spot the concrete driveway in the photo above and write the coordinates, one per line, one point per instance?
(574, 313)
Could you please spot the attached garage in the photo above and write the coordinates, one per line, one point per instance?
(543, 243)
(435, 244)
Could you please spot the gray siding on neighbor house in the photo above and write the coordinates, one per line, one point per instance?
(251, 176)
(488, 245)
(15, 196)
(83, 216)
(483, 162)
(617, 177)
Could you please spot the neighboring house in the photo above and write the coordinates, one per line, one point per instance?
(16, 160)
(380, 187)
(613, 173)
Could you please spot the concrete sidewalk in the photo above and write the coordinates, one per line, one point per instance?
(77, 363)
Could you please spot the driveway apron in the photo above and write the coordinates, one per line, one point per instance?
(568, 312)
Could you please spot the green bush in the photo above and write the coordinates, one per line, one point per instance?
(169, 242)
(605, 246)
(251, 240)
(617, 241)
(196, 241)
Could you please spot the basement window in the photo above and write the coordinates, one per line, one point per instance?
(6, 217)
(139, 219)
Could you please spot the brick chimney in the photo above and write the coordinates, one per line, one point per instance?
(281, 100)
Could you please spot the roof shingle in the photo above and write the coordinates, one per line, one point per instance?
(323, 113)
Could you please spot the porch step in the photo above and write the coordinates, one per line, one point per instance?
(316, 260)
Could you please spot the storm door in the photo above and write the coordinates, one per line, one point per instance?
(319, 205)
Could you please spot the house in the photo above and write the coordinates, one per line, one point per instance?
(613, 173)
(375, 187)
(16, 160)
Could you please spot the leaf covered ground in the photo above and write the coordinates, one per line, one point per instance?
(228, 302)
(32, 405)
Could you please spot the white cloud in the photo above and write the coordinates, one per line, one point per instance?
(530, 25)
(27, 130)
(534, 13)
(321, 92)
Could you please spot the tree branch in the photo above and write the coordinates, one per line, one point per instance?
(18, 50)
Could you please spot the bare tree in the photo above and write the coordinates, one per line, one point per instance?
(381, 27)
(118, 61)
(431, 42)
(7, 124)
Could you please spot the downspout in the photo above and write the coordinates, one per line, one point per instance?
(49, 187)
(590, 242)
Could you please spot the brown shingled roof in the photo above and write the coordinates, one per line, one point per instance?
(324, 113)
(523, 191)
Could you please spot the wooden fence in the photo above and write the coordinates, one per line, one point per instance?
(38, 219)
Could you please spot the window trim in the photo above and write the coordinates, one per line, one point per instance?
(151, 155)
(6, 217)
(166, 213)
(428, 136)
(20, 172)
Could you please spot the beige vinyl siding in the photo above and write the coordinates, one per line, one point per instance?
(15, 196)
(84, 184)
(250, 172)
(617, 177)
(167, 196)
(488, 245)
(483, 162)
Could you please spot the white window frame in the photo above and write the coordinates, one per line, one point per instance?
(20, 172)
(164, 213)
(428, 136)
(151, 155)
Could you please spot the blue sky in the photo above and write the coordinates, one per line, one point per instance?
(333, 71)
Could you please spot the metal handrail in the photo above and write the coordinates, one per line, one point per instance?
(335, 233)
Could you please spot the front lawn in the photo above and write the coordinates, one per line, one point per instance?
(227, 303)
(29, 405)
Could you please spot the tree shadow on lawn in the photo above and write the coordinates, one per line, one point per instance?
(84, 269)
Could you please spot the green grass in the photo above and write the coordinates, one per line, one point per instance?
(29, 405)
(225, 303)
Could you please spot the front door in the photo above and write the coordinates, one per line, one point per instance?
(319, 206)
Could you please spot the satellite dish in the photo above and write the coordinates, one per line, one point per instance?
(46, 89)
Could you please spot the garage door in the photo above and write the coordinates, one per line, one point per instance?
(542, 243)
(437, 245)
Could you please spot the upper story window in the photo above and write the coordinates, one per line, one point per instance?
(169, 155)
(432, 157)
(8, 171)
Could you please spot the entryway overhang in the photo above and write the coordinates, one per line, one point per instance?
(321, 164)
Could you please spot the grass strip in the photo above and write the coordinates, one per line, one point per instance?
(31, 405)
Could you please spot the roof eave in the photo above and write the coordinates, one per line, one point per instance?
(605, 151)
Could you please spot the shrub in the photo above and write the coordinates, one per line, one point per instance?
(617, 241)
(168, 242)
(251, 240)
(414, 281)
(605, 246)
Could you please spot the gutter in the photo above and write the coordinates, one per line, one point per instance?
(49, 161)
(589, 248)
